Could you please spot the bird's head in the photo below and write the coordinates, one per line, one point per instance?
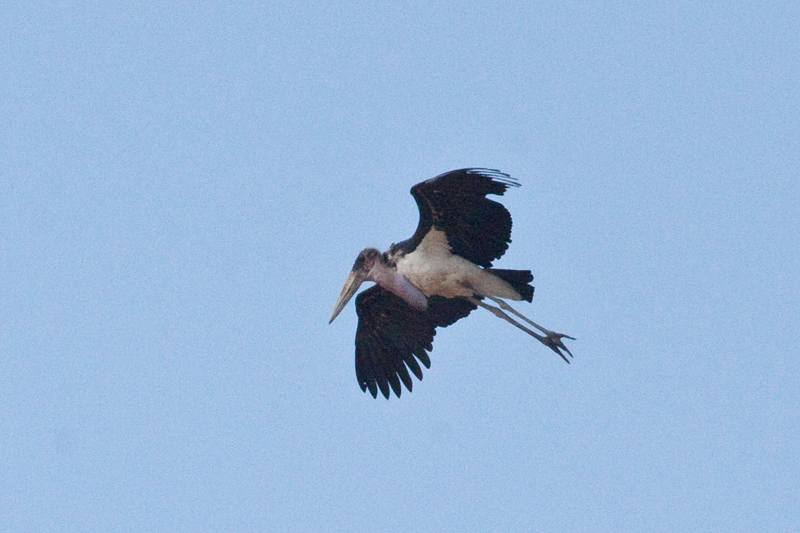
(365, 262)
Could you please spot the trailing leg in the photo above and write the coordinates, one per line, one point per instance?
(552, 340)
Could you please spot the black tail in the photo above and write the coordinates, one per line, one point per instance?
(518, 279)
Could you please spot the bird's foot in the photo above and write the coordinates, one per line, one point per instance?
(553, 341)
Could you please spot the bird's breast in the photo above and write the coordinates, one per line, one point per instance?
(435, 270)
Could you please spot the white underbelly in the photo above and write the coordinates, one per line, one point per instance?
(444, 276)
(434, 270)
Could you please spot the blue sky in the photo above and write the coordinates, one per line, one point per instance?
(184, 188)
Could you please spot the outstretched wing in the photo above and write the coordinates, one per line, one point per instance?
(392, 336)
(477, 229)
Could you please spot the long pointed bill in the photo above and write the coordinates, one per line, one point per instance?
(354, 281)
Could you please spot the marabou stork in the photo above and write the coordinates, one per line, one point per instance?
(439, 275)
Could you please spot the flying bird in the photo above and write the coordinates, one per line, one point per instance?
(438, 276)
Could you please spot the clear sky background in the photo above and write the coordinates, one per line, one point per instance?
(184, 187)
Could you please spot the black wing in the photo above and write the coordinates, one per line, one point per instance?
(477, 229)
(391, 336)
